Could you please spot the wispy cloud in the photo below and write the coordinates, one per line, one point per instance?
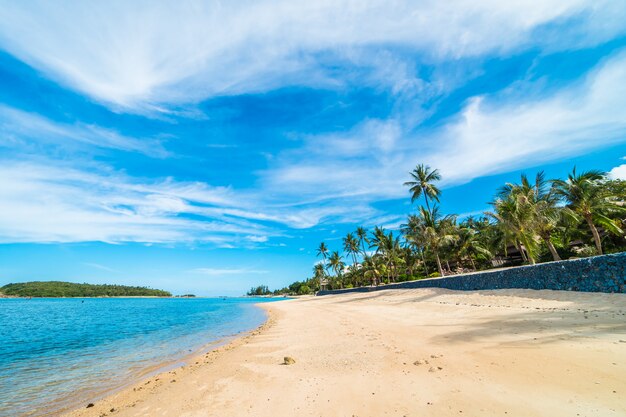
(149, 57)
(490, 135)
(101, 267)
(24, 130)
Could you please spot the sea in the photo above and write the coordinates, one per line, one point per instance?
(57, 354)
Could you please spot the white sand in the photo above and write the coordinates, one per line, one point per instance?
(489, 353)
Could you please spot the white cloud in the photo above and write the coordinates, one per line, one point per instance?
(19, 129)
(491, 135)
(618, 173)
(47, 203)
(101, 267)
(44, 201)
(146, 56)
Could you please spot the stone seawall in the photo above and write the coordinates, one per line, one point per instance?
(606, 273)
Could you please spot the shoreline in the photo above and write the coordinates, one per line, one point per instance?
(138, 380)
(423, 352)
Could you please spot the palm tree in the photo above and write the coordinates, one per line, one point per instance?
(319, 273)
(423, 184)
(372, 272)
(351, 247)
(378, 238)
(361, 234)
(586, 198)
(435, 232)
(540, 203)
(322, 251)
(335, 262)
(412, 231)
(469, 246)
(515, 219)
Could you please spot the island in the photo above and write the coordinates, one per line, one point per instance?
(71, 289)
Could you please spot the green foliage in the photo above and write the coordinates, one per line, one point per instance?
(535, 220)
(70, 289)
(260, 290)
(304, 290)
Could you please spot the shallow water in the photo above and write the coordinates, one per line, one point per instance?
(57, 353)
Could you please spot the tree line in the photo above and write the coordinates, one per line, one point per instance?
(530, 221)
(70, 289)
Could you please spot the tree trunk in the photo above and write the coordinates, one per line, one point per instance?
(594, 232)
(424, 261)
(439, 264)
(555, 254)
(426, 199)
(473, 264)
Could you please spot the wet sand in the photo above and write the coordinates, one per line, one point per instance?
(423, 352)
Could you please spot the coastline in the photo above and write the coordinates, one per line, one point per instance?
(178, 365)
(406, 353)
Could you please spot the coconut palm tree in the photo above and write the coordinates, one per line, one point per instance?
(435, 232)
(423, 184)
(470, 246)
(351, 247)
(322, 250)
(361, 234)
(378, 238)
(586, 197)
(515, 219)
(335, 262)
(540, 204)
(412, 231)
(319, 273)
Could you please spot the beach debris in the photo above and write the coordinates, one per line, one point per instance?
(288, 360)
(89, 405)
(420, 362)
(112, 410)
(432, 369)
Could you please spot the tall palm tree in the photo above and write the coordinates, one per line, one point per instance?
(361, 234)
(412, 231)
(423, 184)
(351, 247)
(586, 198)
(322, 250)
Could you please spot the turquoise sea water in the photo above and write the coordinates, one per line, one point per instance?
(57, 354)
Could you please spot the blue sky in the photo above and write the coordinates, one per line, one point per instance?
(207, 147)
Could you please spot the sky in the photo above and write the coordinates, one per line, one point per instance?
(205, 147)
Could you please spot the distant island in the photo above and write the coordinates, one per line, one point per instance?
(70, 289)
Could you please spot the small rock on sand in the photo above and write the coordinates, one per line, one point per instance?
(89, 405)
(420, 362)
(289, 360)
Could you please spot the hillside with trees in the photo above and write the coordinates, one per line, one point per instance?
(70, 289)
(531, 221)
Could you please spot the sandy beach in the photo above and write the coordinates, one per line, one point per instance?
(427, 352)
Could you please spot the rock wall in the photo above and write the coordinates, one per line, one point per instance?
(605, 273)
